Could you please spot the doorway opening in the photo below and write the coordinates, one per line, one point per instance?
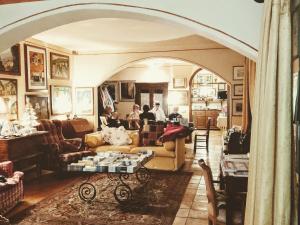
(208, 100)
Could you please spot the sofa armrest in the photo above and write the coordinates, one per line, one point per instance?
(179, 152)
(75, 141)
(7, 167)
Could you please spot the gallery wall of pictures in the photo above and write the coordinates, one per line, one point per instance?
(31, 73)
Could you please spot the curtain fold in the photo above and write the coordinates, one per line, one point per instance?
(248, 94)
(270, 185)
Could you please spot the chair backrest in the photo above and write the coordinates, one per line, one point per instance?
(151, 133)
(210, 190)
(54, 129)
(208, 127)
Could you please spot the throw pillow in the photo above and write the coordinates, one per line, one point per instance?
(116, 136)
(94, 140)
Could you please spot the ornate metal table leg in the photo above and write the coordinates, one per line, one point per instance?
(123, 192)
(143, 175)
(87, 191)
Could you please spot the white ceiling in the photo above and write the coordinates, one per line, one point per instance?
(110, 34)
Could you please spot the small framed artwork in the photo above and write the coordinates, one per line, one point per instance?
(127, 91)
(238, 72)
(84, 97)
(36, 68)
(40, 105)
(10, 61)
(59, 66)
(179, 82)
(221, 87)
(237, 107)
(238, 89)
(61, 99)
(113, 89)
(9, 98)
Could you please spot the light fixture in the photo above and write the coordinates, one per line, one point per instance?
(259, 1)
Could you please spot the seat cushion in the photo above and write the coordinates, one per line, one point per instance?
(158, 151)
(106, 148)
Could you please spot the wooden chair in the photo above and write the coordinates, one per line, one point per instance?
(216, 200)
(202, 138)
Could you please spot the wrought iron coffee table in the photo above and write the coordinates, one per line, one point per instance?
(118, 167)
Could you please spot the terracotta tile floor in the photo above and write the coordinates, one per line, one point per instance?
(193, 208)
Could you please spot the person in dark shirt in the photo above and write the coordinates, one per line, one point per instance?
(146, 114)
(175, 114)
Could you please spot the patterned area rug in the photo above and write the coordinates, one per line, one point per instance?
(154, 204)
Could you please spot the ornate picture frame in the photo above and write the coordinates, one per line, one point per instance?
(84, 97)
(61, 99)
(238, 90)
(10, 61)
(127, 91)
(179, 82)
(237, 107)
(238, 72)
(9, 97)
(40, 103)
(59, 66)
(35, 68)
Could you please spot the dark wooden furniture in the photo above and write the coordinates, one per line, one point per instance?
(76, 128)
(202, 140)
(200, 118)
(234, 176)
(25, 152)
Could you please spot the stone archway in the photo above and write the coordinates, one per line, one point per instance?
(55, 15)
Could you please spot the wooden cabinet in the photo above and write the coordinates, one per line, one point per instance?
(200, 118)
(24, 152)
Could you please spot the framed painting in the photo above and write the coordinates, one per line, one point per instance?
(221, 87)
(179, 82)
(84, 97)
(10, 61)
(238, 89)
(9, 98)
(59, 66)
(40, 104)
(35, 68)
(238, 72)
(237, 107)
(127, 91)
(61, 99)
(113, 89)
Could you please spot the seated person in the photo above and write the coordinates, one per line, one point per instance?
(175, 114)
(111, 117)
(158, 112)
(146, 114)
(134, 117)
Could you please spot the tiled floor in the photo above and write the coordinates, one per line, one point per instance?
(193, 208)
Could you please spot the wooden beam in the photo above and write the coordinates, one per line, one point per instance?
(3, 2)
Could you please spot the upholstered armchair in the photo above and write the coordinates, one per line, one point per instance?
(11, 191)
(60, 151)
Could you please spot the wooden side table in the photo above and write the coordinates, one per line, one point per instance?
(25, 152)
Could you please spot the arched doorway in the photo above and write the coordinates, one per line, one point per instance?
(208, 100)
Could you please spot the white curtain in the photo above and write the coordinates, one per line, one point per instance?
(270, 187)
